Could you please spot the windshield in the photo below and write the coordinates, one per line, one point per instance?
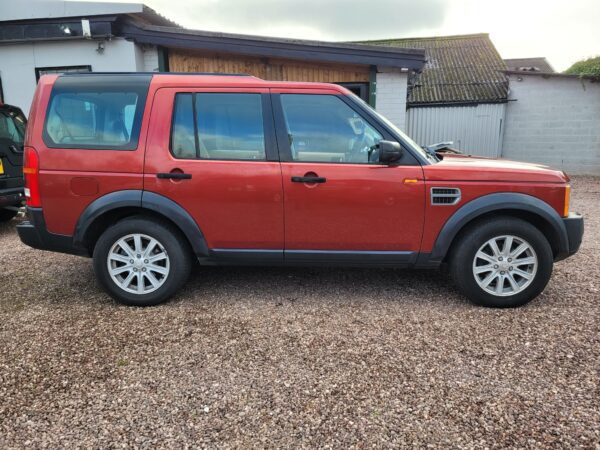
(405, 138)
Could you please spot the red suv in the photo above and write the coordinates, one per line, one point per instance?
(148, 172)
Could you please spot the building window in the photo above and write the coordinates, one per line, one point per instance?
(39, 71)
(361, 90)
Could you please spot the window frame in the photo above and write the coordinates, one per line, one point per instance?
(138, 84)
(270, 142)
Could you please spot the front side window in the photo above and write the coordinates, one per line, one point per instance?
(218, 126)
(96, 112)
(323, 128)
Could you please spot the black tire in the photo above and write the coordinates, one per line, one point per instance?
(463, 255)
(177, 249)
(7, 214)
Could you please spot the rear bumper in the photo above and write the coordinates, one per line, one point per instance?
(574, 228)
(11, 197)
(34, 233)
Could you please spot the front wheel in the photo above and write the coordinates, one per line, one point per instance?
(502, 262)
(141, 262)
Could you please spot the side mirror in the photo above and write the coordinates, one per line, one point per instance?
(389, 152)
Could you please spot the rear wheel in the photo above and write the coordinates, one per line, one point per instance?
(502, 262)
(7, 214)
(141, 262)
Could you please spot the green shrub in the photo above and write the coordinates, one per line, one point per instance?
(590, 66)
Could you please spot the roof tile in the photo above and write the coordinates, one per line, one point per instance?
(459, 69)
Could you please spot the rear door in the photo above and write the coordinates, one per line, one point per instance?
(213, 152)
(341, 204)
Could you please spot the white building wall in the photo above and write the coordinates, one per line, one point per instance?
(390, 98)
(19, 61)
(45, 9)
(475, 130)
(150, 62)
(554, 121)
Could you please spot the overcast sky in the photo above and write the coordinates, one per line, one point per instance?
(562, 30)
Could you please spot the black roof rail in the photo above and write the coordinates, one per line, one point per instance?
(220, 74)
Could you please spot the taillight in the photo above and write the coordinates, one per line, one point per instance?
(31, 171)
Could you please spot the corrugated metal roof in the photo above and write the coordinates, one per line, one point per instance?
(529, 64)
(459, 69)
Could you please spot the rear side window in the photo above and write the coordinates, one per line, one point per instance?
(102, 112)
(12, 127)
(218, 126)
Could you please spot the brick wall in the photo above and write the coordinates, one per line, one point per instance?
(391, 95)
(554, 121)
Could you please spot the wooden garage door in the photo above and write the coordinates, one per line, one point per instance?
(266, 68)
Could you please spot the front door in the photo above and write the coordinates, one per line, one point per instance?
(340, 203)
(213, 152)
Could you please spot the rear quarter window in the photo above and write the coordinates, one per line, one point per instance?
(96, 112)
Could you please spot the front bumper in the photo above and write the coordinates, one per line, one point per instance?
(574, 228)
(34, 233)
(11, 197)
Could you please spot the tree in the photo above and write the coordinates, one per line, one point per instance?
(590, 66)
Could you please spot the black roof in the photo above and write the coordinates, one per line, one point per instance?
(274, 47)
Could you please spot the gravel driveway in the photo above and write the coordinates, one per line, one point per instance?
(261, 357)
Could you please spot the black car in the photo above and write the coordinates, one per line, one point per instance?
(12, 136)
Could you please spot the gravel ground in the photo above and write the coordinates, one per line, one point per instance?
(250, 357)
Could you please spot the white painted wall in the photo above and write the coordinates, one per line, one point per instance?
(44, 9)
(390, 98)
(476, 130)
(554, 121)
(150, 55)
(18, 63)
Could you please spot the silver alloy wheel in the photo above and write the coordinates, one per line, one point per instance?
(505, 265)
(138, 264)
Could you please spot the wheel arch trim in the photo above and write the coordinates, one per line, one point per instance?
(144, 200)
(497, 202)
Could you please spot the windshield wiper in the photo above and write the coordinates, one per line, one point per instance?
(430, 153)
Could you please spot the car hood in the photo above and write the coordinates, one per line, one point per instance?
(470, 168)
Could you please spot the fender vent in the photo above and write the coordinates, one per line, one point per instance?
(445, 196)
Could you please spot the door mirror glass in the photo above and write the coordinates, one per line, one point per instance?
(389, 152)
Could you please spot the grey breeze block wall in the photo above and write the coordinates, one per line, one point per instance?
(555, 121)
